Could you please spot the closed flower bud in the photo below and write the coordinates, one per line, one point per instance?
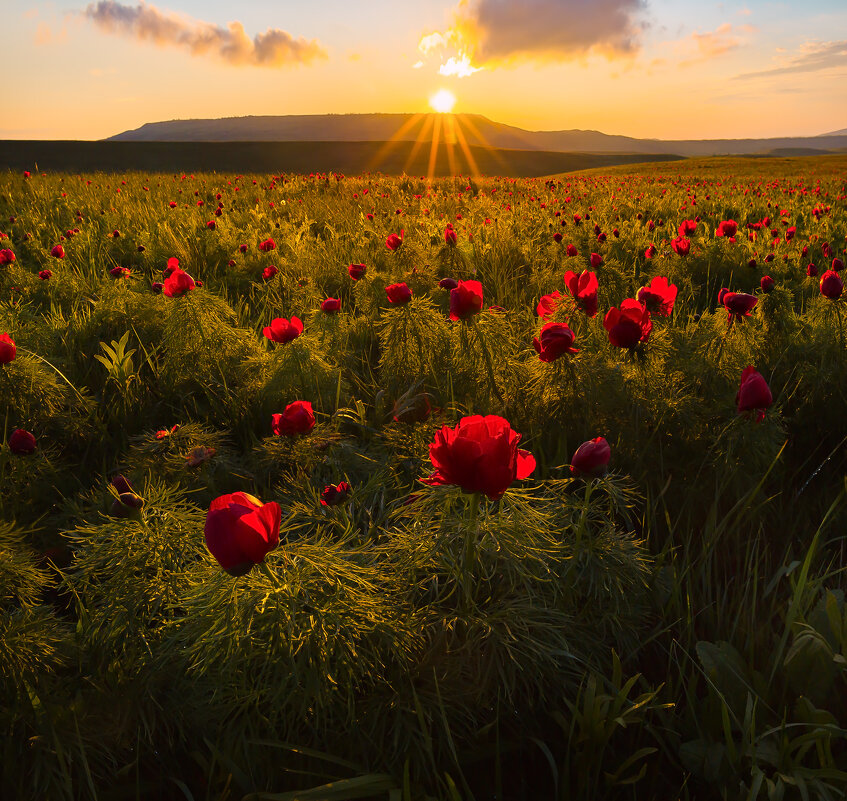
(592, 458)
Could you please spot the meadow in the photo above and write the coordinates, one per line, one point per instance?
(639, 594)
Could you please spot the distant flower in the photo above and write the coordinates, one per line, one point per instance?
(356, 271)
(753, 393)
(450, 237)
(393, 242)
(7, 256)
(687, 228)
(297, 418)
(811, 271)
(554, 340)
(583, 289)
(557, 237)
(240, 531)
(57, 252)
(282, 330)
(650, 252)
(335, 494)
(681, 246)
(767, 283)
(737, 304)
(242, 248)
(211, 225)
(269, 272)
(728, 228)
(831, 285)
(165, 433)
(659, 297)
(8, 349)
(837, 265)
(331, 306)
(465, 300)
(157, 287)
(591, 458)
(548, 304)
(448, 283)
(480, 454)
(178, 283)
(22, 443)
(120, 272)
(265, 245)
(572, 251)
(398, 294)
(629, 324)
(45, 275)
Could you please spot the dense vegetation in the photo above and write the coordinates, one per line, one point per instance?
(672, 628)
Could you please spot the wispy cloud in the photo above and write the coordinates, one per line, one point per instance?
(273, 48)
(810, 57)
(485, 33)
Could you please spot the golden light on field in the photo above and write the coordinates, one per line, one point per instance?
(443, 101)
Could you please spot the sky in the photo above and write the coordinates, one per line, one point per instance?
(664, 69)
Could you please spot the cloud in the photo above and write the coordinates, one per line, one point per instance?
(811, 57)
(273, 48)
(490, 32)
(717, 42)
(460, 67)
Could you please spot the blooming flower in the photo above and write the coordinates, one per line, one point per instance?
(240, 531)
(659, 297)
(282, 330)
(334, 494)
(583, 288)
(465, 300)
(753, 393)
(554, 340)
(628, 325)
(297, 418)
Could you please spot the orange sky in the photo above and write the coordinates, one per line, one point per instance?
(647, 69)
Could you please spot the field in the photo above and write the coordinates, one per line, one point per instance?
(444, 616)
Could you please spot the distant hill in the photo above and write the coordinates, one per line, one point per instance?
(842, 132)
(473, 128)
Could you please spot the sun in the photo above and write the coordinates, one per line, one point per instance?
(443, 101)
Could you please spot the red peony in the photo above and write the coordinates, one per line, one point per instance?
(265, 245)
(548, 304)
(296, 419)
(331, 306)
(728, 228)
(753, 393)
(596, 260)
(687, 228)
(393, 242)
(241, 530)
(282, 330)
(334, 494)
(628, 325)
(831, 285)
(659, 297)
(356, 271)
(554, 340)
(21, 443)
(737, 304)
(8, 349)
(681, 246)
(57, 252)
(178, 283)
(465, 300)
(592, 457)
(583, 288)
(45, 275)
(269, 272)
(398, 294)
(450, 237)
(480, 454)
(767, 283)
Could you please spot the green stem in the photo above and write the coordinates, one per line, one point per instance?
(488, 364)
(469, 560)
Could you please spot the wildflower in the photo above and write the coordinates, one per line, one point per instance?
(628, 325)
(356, 271)
(331, 305)
(591, 458)
(753, 393)
(465, 300)
(554, 340)
(8, 349)
(398, 294)
(178, 283)
(22, 443)
(240, 531)
(297, 418)
(583, 288)
(659, 297)
(282, 330)
(335, 494)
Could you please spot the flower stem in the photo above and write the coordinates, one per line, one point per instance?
(469, 560)
(488, 365)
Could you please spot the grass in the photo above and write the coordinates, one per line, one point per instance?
(674, 629)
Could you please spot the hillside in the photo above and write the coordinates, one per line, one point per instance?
(473, 128)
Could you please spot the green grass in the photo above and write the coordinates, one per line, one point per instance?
(676, 629)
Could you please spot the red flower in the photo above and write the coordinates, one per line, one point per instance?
(242, 248)
(173, 264)
(21, 443)
(628, 325)
(596, 260)
(240, 531)
(583, 288)
(554, 340)
(172, 204)
(266, 245)
(465, 300)
(480, 454)
(789, 233)
(659, 297)
(45, 275)
(356, 271)
(572, 251)
(398, 294)
(115, 234)
(686, 228)
(7, 256)
(811, 271)
(837, 264)
(557, 237)
(737, 303)
(393, 242)
(753, 393)
(269, 272)
(548, 304)
(166, 433)
(57, 252)
(650, 252)
(120, 272)
(592, 457)
(211, 225)
(296, 419)
(727, 228)
(8, 349)
(334, 494)
(831, 285)
(157, 287)
(411, 409)
(681, 246)
(767, 283)
(331, 306)
(448, 283)
(282, 330)
(178, 283)
(450, 237)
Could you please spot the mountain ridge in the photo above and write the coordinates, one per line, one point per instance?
(473, 129)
